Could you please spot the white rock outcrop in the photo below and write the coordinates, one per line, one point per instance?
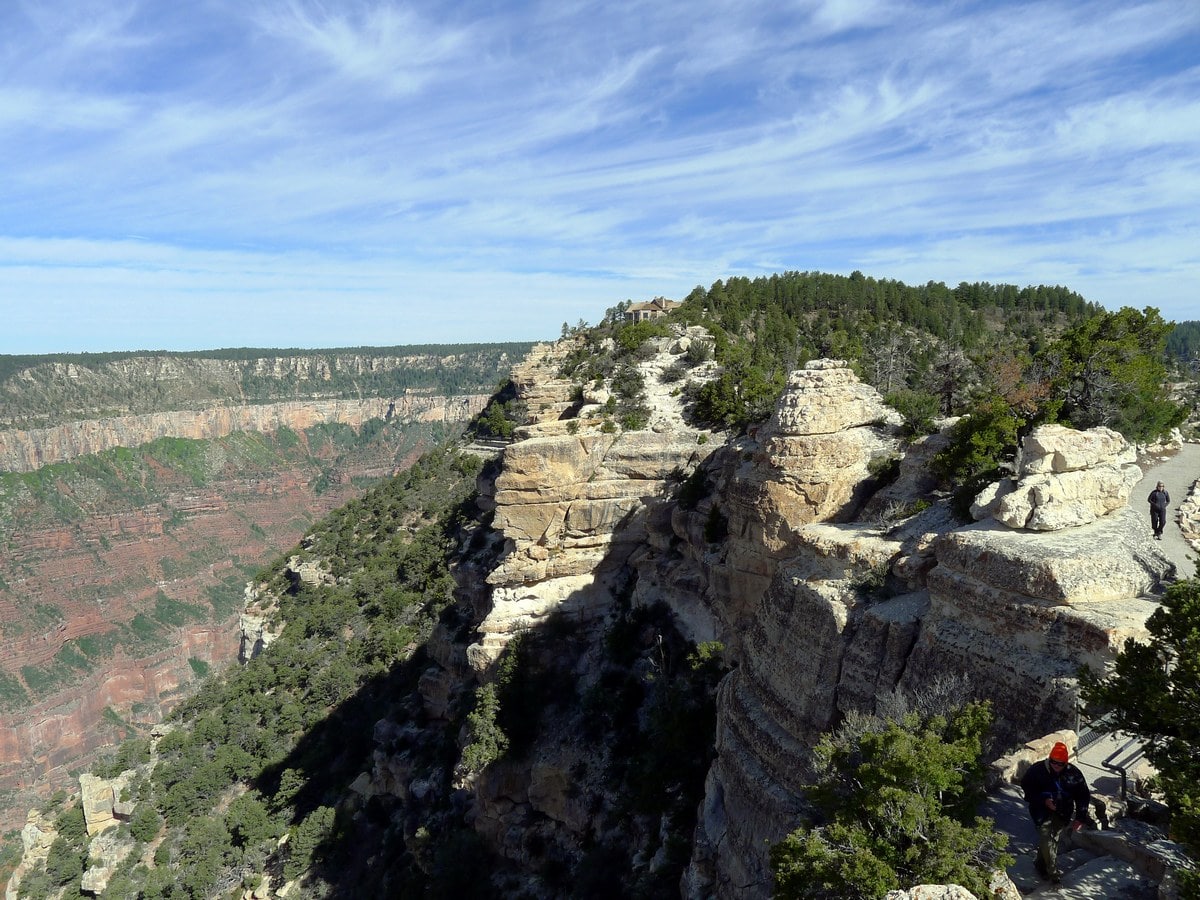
(100, 798)
(1188, 516)
(1066, 478)
(572, 506)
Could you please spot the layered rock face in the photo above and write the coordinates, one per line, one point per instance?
(828, 589)
(571, 510)
(572, 507)
(809, 463)
(55, 392)
(71, 589)
(1013, 610)
(25, 451)
(114, 594)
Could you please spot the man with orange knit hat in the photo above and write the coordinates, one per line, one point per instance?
(1058, 796)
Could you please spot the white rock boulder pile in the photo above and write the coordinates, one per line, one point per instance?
(1066, 478)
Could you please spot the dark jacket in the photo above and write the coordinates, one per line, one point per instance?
(1159, 499)
(1068, 788)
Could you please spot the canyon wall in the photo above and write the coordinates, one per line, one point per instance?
(121, 583)
(814, 556)
(52, 391)
(25, 451)
(108, 620)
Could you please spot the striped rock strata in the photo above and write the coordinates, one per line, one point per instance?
(572, 507)
(1014, 611)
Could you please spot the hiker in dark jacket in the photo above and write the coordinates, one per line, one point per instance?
(1159, 498)
(1058, 796)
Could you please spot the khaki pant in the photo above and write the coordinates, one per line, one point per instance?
(1049, 833)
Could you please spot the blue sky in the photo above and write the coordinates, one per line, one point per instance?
(220, 173)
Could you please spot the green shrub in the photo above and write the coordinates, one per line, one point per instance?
(698, 352)
(199, 667)
(305, 839)
(672, 373)
(981, 445)
(736, 398)
(633, 336)
(1152, 691)
(918, 408)
(177, 613)
(487, 741)
(145, 823)
(896, 802)
(635, 418)
(885, 468)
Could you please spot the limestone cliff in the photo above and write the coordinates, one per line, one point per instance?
(38, 392)
(827, 587)
(121, 573)
(1015, 612)
(25, 451)
(572, 503)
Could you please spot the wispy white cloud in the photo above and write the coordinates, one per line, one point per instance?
(288, 148)
(376, 43)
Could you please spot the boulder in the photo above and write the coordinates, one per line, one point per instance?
(1057, 449)
(932, 892)
(97, 798)
(1066, 478)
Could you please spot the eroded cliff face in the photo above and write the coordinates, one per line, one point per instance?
(814, 549)
(1014, 611)
(828, 588)
(57, 392)
(120, 586)
(26, 451)
(83, 622)
(572, 501)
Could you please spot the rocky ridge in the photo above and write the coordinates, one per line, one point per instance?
(50, 391)
(827, 588)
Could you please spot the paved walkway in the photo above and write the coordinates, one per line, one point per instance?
(1177, 473)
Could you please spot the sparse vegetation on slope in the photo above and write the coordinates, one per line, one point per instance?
(269, 749)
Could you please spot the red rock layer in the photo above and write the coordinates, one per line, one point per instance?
(63, 582)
